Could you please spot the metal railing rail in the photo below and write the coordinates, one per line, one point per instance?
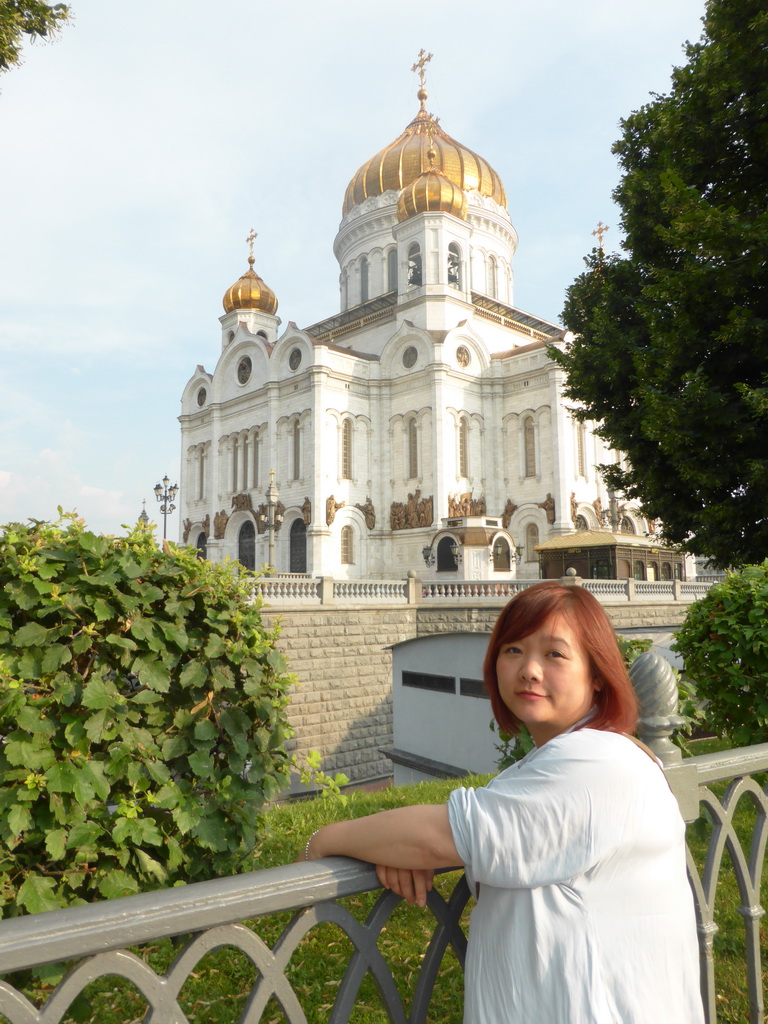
(213, 912)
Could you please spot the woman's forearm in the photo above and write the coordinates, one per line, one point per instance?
(405, 837)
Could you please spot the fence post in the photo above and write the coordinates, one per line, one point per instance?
(326, 590)
(655, 684)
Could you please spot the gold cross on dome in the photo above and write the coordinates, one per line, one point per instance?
(600, 231)
(252, 236)
(421, 63)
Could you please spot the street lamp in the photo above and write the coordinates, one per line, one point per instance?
(166, 495)
(273, 518)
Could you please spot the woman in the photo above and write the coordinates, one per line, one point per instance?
(576, 853)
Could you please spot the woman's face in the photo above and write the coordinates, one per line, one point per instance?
(545, 680)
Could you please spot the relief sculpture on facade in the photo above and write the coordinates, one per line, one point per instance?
(331, 508)
(242, 503)
(549, 507)
(187, 528)
(306, 511)
(415, 512)
(220, 521)
(465, 505)
(369, 513)
(509, 510)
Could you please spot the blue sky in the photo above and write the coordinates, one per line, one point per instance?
(142, 145)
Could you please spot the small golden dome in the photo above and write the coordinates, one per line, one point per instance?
(250, 292)
(432, 190)
(403, 161)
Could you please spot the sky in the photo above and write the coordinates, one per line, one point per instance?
(141, 146)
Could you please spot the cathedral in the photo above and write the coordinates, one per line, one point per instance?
(423, 426)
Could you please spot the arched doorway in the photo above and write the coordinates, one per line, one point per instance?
(446, 559)
(202, 545)
(298, 546)
(246, 545)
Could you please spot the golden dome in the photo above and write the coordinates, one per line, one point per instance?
(250, 292)
(432, 190)
(403, 161)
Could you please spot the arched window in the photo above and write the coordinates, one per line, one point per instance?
(638, 571)
(296, 450)
(363, 279)
(414, 266)
(234, 454)
(446, 555)
(413, 449)
(392, 270)
(202, 545)
(463, 448)
(255, 458)
(581, 458)
(623, 571)
(201, 472)
(492, 276)
(244, 462)
(531, 540)
(454, 265)
(346, 450)
(298, 546)
(347, 545)
(529, 440)
(666, 571)
(501, 555)
(344, 289)
(246, 545)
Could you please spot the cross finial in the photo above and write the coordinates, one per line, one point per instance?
(252, 236)
(421, 63)
(600, 231)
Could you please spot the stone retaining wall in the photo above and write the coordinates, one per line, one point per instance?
(341, 656)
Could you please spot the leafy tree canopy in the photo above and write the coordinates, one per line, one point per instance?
(32, 18)
(143, 715)
(671, 347)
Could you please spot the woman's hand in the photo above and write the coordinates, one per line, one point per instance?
(412, 884)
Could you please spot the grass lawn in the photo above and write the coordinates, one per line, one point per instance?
(217, 991)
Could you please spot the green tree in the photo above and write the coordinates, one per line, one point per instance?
(671, 347)
(142, 705)
(724, 644)
(32, 18)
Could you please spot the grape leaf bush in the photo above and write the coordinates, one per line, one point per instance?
(143, 715)
(724, 645)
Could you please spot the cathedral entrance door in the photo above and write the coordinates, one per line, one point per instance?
(298, 546)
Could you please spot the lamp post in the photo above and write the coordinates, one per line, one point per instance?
(166, 496)
(273, 518)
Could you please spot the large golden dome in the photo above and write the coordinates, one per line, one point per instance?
(404, 160)
(250, 292)
(432, 190)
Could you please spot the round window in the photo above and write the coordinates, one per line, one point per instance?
(294, 359)
(244, 368)
(202, 394)
(409, 357)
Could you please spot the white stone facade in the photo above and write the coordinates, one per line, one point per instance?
(427, 401)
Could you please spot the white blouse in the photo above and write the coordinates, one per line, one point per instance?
(584, 911)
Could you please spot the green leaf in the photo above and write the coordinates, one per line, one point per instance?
(37, 895)
(19, 819)
(193, 675)
(61, 777)
(98, 694)
(56, 843)
(31, 635)
(102, 610)
(54, 657)
(149, 866)
(116, 884)
(152, 673)
(201, 764)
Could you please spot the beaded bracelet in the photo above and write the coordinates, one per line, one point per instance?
(309, 843)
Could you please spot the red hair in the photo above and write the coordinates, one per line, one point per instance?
(615, 700)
